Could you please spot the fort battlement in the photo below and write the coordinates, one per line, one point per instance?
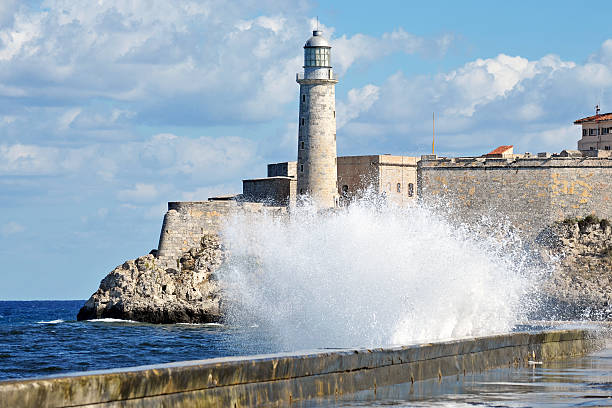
(531, 192)
(186, 222)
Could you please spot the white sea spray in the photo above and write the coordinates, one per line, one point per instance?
(373, 274)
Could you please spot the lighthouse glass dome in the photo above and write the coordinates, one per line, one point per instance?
(317, 51)
(317, 57)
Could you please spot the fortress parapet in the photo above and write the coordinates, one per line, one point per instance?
(531, 191)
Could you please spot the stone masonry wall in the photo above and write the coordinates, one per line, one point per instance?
(271, 190)
(283, 169)
(531, 192)
(186, 222)
(398, 178)
(316, 167)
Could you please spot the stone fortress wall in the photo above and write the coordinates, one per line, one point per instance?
(278, 188)
(531, 192)
(393, 176)
(186, 222)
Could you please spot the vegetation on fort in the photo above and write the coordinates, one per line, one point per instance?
(589, 220)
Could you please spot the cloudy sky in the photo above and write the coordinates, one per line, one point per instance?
(111, 108)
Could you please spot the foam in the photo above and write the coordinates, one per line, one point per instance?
(111, 320)
(372, 275)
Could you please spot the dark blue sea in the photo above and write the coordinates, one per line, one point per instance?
(39, 338)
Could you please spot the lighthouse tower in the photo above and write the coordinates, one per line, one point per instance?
(317, 174)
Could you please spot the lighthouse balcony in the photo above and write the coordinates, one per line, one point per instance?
(317, 75)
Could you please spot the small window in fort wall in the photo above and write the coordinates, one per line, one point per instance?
(334, 137)
(301, 167)
(399, 187)
(301, 191)
(334, 114)
(302, 121)
(303, 98)
(301, 145)
(345, 189)
(410, 189)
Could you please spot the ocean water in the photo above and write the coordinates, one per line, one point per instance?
(369, 275)
(39, 338)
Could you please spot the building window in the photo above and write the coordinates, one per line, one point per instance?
(410, 189)
(345, 189)
(399, 187)
(301, 167)
(591, 148)
(302, 121)
(301, 191)
(301, 145)
(606, 147)
(584, 132)
(592, 132)
(303, 98)
(604, 131)
(334, 137)
(334, 113)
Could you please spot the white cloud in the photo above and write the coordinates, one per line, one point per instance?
(358, 101)
(21, 159)
(7, 11)
(484, 103)
(163, 155)
(11, 228)
(361, 47)
(141, 192)
(101, 66)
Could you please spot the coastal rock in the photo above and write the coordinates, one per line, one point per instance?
(581, 283)
(146, 290)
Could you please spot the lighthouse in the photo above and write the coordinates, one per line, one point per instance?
(317, 174)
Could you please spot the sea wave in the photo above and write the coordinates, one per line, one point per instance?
(202, 324)
(51, 321)
(111, 320)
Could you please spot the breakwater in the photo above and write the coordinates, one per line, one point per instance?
(289, 377)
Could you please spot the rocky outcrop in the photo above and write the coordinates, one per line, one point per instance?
(581, 283)
(146, 290)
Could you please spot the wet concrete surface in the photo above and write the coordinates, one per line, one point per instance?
(577, 382)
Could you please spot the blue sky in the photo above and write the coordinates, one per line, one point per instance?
(110, 109)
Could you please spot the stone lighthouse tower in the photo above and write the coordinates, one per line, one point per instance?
(317, 174)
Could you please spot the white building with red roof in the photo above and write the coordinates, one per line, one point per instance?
(596, 132)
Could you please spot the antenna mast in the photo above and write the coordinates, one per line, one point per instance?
(433, 142)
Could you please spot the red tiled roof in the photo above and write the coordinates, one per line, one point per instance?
(594, 118)
(500, 150)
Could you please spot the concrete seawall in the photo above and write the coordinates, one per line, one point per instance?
(279, 379)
